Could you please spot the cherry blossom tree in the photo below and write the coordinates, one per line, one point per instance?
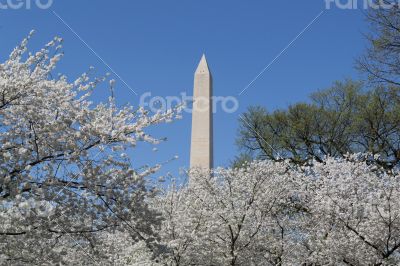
(340, 212)
(64, 171)
(355, 210)
(239, 216)
(113, 248)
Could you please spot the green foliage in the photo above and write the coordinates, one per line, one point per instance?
(340, 120)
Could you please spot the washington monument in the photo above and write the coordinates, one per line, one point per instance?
(201, 153)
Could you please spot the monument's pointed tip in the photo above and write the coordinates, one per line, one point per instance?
(203, 65)
(204, 59)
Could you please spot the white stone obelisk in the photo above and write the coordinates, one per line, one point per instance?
(201, 153)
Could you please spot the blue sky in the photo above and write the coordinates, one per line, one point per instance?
(155, 46)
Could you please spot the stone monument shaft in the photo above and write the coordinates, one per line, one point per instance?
(201, 153)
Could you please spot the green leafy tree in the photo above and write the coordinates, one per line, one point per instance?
(340, 120)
